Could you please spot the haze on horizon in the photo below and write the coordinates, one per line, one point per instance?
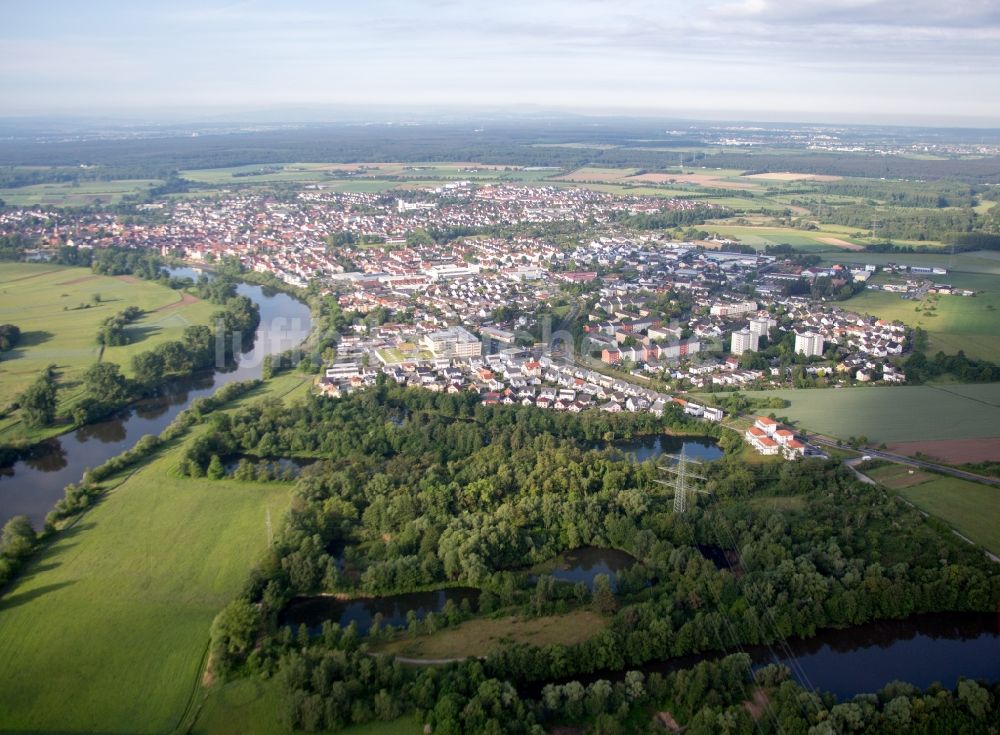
(884, 61)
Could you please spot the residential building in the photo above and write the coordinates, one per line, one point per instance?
(742, 341)
(809, 344)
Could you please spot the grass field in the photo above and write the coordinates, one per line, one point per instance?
(252, 705)
(478, 637)
(76, 194)
(896, 413)
(44, 301)
(898, 476)
(969, 507)
(107, 629)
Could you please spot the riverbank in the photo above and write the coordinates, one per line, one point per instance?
(33, 485)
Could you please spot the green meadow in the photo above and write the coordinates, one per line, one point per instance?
(59, 320)
(970, 507)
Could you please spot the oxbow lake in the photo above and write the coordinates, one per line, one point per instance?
(313, 611)
(32, 486)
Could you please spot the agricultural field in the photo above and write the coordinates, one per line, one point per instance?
(896, 413)
(952, 323)
(828, 238)
(59, 320)
(478, 637)
(76, 194)
(969, 507)
(107, 628)
(384, 175)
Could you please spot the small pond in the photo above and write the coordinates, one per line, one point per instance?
(585, 563)
(313, 611)
(701, 448)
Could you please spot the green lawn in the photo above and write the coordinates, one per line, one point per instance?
(479, 636)
(45, 302)
(971, 508)
(106, 630)
(896, 413)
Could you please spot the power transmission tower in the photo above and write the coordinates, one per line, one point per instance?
(681, 475)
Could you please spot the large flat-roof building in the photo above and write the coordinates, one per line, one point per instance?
(452, 342)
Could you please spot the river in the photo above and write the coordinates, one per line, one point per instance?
(32, 486)
(921, 650)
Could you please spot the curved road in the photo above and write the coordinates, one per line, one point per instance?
(902, 459)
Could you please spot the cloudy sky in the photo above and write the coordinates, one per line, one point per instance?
(837, 60)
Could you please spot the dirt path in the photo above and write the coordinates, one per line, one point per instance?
(184, 300)
(840, 243)
(128, 279)
(33, 275)
(81, 279)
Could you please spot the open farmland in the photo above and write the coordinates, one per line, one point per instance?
(107, 628)
(896, 413)
(76, 194)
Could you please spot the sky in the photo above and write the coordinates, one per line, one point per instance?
(890, 61)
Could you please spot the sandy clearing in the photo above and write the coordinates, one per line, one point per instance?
(840, 243)
(953, 451)
(791, 176)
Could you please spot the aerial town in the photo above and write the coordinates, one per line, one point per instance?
(556, 297)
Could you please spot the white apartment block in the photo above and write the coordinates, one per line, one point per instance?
(809, 344)
(761, 325)
(742, 307)
(742, 341)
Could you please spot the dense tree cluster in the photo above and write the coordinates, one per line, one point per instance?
(112, 332)
(10, 335)
(428, 490)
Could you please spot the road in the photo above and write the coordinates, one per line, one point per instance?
(902, 459)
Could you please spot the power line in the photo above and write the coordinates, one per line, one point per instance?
(680, 481)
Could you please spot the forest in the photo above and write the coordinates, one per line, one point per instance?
(415, 490)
